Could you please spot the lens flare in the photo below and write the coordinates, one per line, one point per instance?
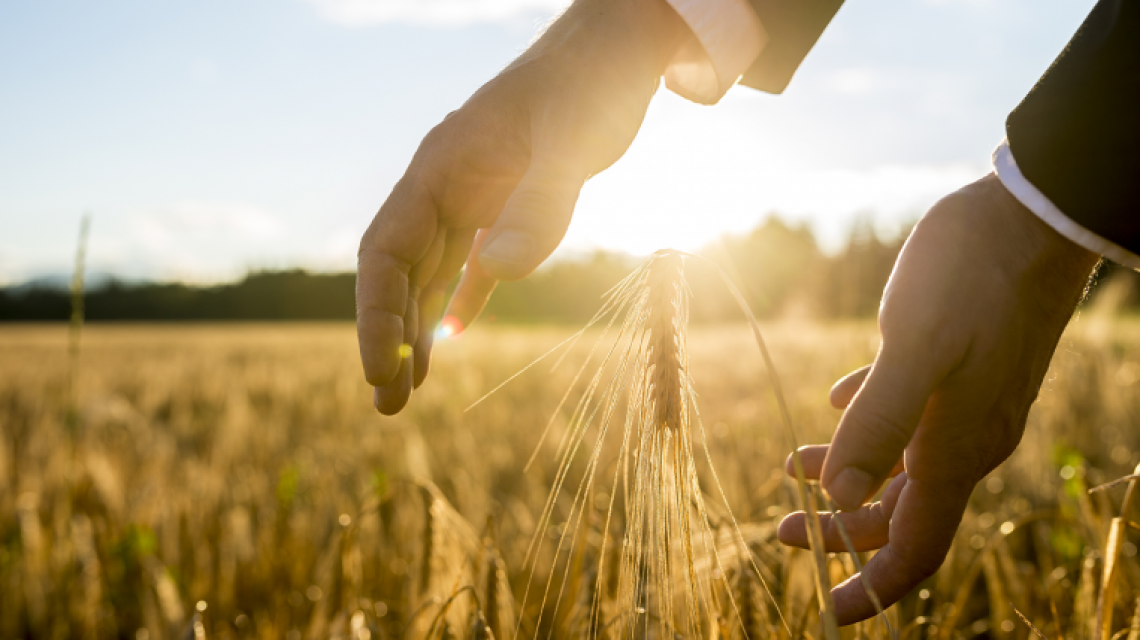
(449, 327)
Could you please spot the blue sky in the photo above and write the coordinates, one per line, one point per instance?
(213, 136)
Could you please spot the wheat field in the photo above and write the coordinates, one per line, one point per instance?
(233, 481)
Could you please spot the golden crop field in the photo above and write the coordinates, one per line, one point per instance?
(234, 481)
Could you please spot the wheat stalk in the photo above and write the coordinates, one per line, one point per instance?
(75, 327)
(807, 496)
(1111, 571)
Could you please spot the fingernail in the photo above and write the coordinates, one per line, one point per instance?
(509, 247)
(850, 488)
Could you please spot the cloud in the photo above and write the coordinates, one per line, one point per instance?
(357, 13)
(211, 221)
(197, 241)
(192, 240)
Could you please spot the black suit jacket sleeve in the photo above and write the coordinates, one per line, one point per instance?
(793, 27)
(1076, 136)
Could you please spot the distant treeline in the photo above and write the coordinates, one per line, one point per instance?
(282, 295)
(779, 267)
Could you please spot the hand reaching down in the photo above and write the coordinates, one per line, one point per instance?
(511, 162)
(969, 321)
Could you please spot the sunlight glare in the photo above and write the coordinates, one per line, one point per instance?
(449, 327)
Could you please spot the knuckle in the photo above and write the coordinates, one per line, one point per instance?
(927, 564)
(850, 522)
(882, 433)
(830, 526)
(442, 131)
(927, 330)
(538, 211)
(918, 564)
(366, 250)
(379, 371)
(546, 193)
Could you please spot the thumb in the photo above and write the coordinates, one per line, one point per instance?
(877, 426)
(533, 221)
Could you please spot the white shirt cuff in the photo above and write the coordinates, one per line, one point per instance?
(729, 36)
(1030, 196)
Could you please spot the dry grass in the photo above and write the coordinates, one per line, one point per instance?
(235, 482)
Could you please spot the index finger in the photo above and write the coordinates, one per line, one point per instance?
(394, 243)
(880, 421)
(812, 457)
(474, 288)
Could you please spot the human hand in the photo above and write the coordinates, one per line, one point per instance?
(509, 162)
(969, 321)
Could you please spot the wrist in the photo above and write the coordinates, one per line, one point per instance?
(651, 30)
(667, 29)
(1055, 262)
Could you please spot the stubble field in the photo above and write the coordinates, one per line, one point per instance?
(234, 481)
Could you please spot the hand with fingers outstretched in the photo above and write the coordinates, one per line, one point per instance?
(969, 320)
(510, 162)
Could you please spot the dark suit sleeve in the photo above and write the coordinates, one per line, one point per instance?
(1076, 136)
(793, 27)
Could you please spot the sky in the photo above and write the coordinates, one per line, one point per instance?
(210, 137)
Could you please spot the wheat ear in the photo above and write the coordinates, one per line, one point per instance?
(664, 360)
